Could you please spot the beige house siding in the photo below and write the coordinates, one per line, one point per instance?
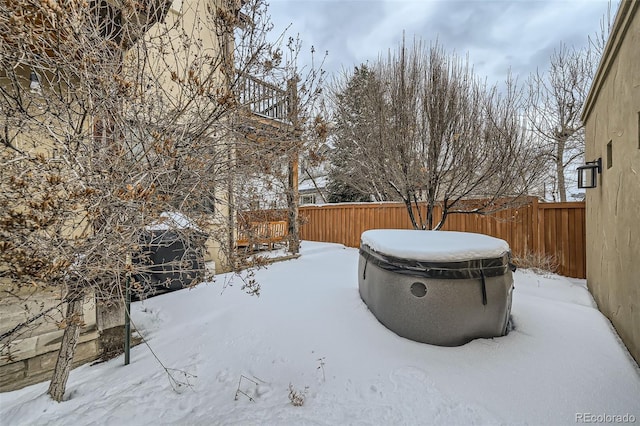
(166, 53)
(31, 358)
(612, 118)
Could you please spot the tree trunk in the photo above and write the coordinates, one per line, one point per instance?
(74, 321)
(231, 212)
(412, 217)
(292, 190)
(292, 204)
(562, 190)
(431, 205)
(445, 212)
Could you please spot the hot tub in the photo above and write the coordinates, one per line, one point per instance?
(439, 287)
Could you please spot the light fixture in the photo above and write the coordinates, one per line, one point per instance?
(34, 84)
(588, 174)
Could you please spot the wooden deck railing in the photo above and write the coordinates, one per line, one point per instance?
(262, 98)
(258, 233)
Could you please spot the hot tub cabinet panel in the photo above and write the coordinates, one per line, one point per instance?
(440, 303)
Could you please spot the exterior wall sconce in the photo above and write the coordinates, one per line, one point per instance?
(588, 174)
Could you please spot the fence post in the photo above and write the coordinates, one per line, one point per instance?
(541, 245)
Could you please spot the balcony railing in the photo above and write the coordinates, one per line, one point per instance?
(262, 98)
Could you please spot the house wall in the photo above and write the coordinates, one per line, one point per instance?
(169, 59)
(186, 47)
(612, 116)
(31, 358)
(32, 352)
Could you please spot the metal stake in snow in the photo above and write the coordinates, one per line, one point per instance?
(127, 317)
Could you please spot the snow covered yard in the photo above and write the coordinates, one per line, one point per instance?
(309, 328)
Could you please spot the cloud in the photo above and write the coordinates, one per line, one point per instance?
(498, 35)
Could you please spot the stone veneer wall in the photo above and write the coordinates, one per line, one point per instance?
(32, 358)
(25, 372)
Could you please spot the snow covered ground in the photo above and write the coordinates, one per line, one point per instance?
(310, 329)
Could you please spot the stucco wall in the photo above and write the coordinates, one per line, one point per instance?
(31, 358)
(613, 208)
(169, 57)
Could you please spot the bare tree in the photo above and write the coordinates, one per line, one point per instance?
(556, 98)
(598, 41)
(272, 171)
(424, 129)
(117, 119)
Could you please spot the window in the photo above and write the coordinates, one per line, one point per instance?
(209, 204)
(55, 155)
(609, 154)
(176, 6)
(638, 129)
(308, 199)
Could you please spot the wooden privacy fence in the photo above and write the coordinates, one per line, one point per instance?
(550, 229)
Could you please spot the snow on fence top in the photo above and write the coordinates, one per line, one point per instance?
(434, 246)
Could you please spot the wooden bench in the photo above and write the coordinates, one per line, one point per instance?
(263, 233)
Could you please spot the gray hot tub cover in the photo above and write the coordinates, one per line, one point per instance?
(476, 268)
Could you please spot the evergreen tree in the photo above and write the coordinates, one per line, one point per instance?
(353, 121)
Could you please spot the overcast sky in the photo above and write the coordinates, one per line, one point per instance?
(497, 34)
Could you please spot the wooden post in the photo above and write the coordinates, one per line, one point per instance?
(540, 246)
(127, 320)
